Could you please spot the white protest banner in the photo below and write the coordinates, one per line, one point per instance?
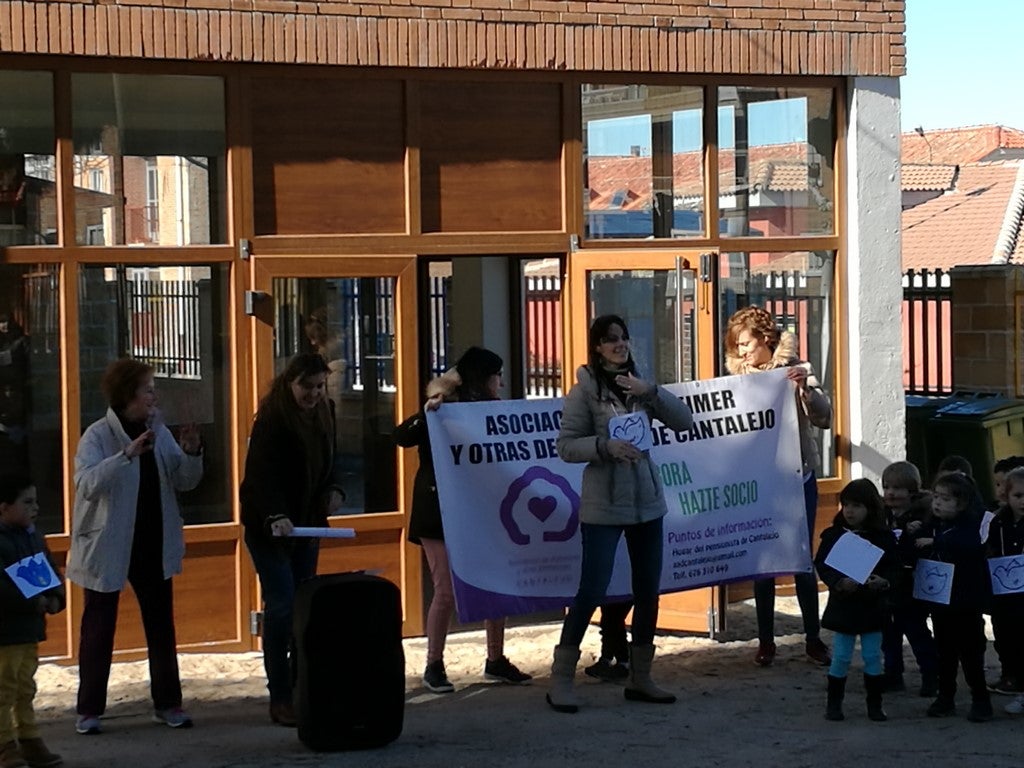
(733, 487)
(33, 574)
(933, 581)
(1007, 574)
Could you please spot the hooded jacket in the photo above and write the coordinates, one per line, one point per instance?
(614, 492)
(425, 518)
(813, 407)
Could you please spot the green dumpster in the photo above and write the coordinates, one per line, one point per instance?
(982, 431)
(920, 410)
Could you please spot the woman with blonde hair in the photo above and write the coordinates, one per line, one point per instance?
(755, 343)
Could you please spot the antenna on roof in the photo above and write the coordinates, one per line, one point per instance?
(920, 132)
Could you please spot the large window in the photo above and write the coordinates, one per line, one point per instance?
(149, 165)
(28, 202)
(643, 161)
(775, 161)
(173, 318)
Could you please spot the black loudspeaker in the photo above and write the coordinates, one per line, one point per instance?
(348, 662)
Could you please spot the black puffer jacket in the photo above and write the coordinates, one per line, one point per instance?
(864, 609)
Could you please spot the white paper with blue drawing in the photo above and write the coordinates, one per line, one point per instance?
(1007, 574)
(33, 575)
(633, 428)
(933, 581)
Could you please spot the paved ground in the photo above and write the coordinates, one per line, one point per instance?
(730, 713)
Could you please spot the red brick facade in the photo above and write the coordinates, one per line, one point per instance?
(798, 37)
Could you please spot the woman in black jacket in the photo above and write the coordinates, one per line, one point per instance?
(291, 479)
(858, 609)
(476, 376)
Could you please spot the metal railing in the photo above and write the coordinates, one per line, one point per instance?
(927, 337)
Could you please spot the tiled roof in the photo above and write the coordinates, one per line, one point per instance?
(956, 146)
(627, 179)
(927, 178)
(962, 225)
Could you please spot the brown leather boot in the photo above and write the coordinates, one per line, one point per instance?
(10, 756)
(37, 755)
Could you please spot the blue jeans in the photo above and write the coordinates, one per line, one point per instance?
(842, 653)
(645, 542)
(281, 566)
(806, 583)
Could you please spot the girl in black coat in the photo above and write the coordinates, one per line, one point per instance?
(476, 376)
(858, 609)
(952, 536)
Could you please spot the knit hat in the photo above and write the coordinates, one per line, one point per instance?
(478, 363)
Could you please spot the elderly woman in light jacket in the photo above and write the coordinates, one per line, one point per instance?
(622, 496)
(127, 528)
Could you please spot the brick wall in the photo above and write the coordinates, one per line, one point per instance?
(805, 37)
(988, 310)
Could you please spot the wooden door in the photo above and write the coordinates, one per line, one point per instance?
(668, 303)
(359, 313)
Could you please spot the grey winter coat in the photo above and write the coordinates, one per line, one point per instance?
(614, 493)
(106, 495)
(812, 409)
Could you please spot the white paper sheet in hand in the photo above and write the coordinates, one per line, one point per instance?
(323, 533)
(33, 575)
(854, 557)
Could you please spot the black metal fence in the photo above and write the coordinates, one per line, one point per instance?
(927, 336)
(164, 325)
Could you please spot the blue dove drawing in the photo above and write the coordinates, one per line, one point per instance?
(1010, 577)
(34, 572)
(934, 582)
(632, 430)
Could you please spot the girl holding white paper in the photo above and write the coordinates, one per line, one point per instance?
(857, 607)
(952, 537)
(1005, 549)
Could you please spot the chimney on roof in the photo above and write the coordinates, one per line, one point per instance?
(634, 150)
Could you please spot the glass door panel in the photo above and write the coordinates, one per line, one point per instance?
(350, 322)
(359, 313)
(665, 300)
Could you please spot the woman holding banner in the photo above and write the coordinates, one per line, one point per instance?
(754, 343)
(622, 496)
(476, 376)
(291, 479)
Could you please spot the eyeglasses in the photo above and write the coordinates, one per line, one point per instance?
(614, 339)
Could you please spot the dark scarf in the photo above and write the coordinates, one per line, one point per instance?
(148, 538)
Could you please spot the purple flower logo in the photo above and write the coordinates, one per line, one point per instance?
(540, 506)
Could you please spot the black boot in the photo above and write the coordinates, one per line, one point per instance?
(929, 685)
(873, 687)
(836, 692)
